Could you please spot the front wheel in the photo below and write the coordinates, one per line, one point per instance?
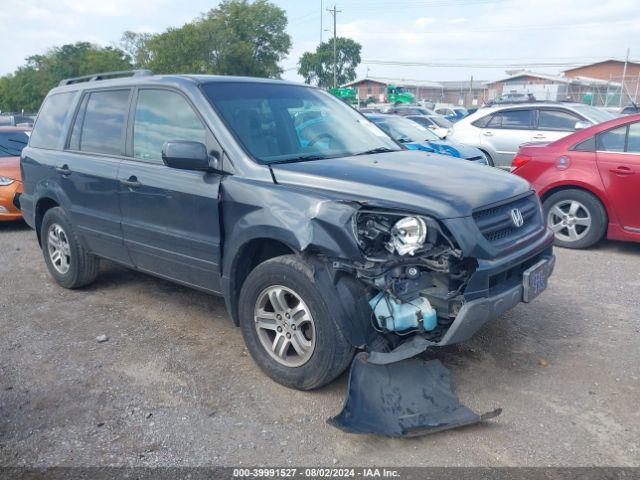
(287, 327)
(577, 218)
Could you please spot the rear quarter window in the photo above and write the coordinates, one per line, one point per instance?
(482, 122)
(588, 145)
(48, 130)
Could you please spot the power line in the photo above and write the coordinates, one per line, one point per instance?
(523, 64)
(595, 25)
(418, 4)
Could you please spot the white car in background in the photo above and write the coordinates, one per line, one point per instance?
(436, 123)
(499, 130)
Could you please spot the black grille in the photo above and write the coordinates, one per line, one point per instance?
(496, 223)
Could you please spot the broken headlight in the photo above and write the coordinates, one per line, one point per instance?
(407, 235)
(378, 232)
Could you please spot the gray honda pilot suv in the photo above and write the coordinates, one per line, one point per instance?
(323, 235)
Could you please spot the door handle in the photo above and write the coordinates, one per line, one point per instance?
(488, 134)
(63, 170)
(539, 136)
(131, 182)
(622, 171)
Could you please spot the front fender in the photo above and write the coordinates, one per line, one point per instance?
(299, 218)
(308, 222)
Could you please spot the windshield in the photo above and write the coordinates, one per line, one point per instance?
(441, 122)
(594, 114)
(12, 143)
(282, 123)
(404, 130)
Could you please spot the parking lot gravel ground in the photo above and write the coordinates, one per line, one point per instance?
(174, 385)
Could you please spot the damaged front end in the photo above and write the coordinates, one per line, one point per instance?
(413, 273)
(415, 277)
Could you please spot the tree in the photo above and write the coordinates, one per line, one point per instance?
(135, 45)
(317, 67)
(29, 84)
(236, 38)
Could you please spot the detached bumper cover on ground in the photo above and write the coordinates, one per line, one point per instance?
(403, 399)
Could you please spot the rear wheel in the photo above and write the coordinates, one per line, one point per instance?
(287, 326)
(66, 259)
(489, 159)
(577, 218)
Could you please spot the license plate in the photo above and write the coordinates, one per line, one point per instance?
(535, 280)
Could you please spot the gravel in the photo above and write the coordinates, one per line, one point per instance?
(565, 369)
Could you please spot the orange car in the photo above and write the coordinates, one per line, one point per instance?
(12, 141)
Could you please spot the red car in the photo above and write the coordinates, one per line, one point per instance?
(589, 182)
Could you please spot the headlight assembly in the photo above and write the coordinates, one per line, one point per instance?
(407, 235)
(4, 181)
(383, 232)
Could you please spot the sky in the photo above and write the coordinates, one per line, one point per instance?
(443, 40)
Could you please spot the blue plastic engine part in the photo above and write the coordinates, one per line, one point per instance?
(397, 316)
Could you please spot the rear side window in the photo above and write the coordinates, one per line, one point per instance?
(557, 120)
(162, 116)
(100, 123)
(48, 129)
(612, 140)
(516, 119)
(482, 122)
(633, 141)
(588, 145)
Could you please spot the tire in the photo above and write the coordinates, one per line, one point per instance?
(57, 234)
(582, 212)
(489, 159)
(291, 278)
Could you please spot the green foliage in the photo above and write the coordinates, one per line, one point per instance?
(236, 38)
(317, 67)
(135, 45)
(29, 84)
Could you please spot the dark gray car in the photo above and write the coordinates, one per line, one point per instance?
(322, 234)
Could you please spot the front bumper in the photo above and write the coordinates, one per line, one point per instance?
(495, 288)
(8, 209)
(476, 313)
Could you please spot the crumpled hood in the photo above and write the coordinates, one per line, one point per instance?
(408, 179)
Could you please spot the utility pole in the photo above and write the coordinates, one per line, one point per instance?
(334, 12)
(624, 74)
(321, 14)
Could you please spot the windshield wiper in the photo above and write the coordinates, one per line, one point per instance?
(375, 150)
(301, 158)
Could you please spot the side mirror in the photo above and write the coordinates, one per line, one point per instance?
(187, 155)
(581, 125)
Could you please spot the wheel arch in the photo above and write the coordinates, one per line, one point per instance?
(43, 205)
(583, 187)
(248, 256)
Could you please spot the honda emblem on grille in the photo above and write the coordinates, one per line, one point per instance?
(516, 217)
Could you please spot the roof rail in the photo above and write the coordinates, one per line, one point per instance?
(103, 76)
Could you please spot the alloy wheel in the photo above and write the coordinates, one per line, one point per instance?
(59, 248)
(570, 220)
(285, 326)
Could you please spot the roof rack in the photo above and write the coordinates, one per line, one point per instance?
(105, 75)
(492, 103)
